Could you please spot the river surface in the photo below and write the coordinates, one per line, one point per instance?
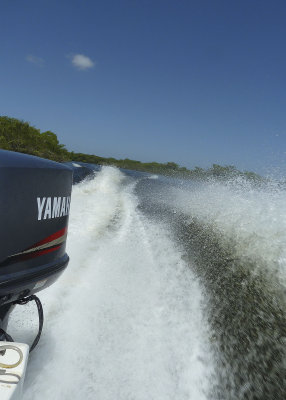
(175, 291)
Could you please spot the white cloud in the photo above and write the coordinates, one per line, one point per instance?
(82, 62)
(35, 60)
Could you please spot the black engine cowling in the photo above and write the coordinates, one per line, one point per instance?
(34, 208)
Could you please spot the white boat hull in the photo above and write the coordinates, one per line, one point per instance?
(13, 366)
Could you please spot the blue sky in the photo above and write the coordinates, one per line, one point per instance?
(195, 82)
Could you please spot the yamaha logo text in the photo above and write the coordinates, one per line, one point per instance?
(53, 207)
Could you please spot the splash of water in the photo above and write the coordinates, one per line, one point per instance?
(234, 236)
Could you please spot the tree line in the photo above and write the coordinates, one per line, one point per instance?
(20, 136)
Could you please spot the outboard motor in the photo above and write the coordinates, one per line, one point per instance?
(34, 207)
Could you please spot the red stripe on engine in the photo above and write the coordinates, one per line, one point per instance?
(38, 253)
(41, 252)
(50, 238)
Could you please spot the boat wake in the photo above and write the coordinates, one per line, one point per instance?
(175, 290)
(233, 235)
(126, 320)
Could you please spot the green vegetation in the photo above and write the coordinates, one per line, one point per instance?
(16, 135)
(19, 136)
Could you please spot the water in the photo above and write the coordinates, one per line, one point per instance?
(175, 290)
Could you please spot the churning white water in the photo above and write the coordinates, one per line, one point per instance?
(125, 320)
(254, 219)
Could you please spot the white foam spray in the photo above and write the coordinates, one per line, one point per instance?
(253, 218)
